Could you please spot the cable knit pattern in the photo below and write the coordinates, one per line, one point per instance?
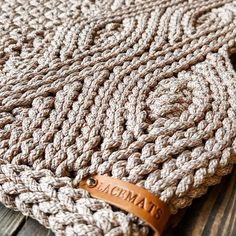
(141, 90)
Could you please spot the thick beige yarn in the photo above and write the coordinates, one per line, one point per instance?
(141, 90)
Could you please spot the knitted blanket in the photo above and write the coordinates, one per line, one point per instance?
(139, 90)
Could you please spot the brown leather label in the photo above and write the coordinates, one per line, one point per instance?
(130, 198)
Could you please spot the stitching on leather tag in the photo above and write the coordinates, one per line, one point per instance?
(130, 198)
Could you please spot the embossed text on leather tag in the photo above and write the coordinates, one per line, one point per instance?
(130, 198)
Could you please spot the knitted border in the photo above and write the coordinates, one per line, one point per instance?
(197, 69)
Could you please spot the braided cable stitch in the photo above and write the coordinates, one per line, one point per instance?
(141, 90)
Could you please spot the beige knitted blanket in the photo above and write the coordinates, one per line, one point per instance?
(141, 90)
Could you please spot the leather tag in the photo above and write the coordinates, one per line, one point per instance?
(130, 198)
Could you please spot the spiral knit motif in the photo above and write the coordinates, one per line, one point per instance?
(141, 90)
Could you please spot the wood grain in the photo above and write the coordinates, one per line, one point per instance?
(10, 221)
(32, 227)
(210, 215)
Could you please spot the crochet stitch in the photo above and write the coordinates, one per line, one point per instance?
(141, 90)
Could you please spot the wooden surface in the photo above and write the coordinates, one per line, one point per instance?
(214, 214)
(210, 215)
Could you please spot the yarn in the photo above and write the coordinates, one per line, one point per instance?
(143, 91)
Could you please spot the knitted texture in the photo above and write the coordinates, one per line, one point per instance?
(141, 90)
